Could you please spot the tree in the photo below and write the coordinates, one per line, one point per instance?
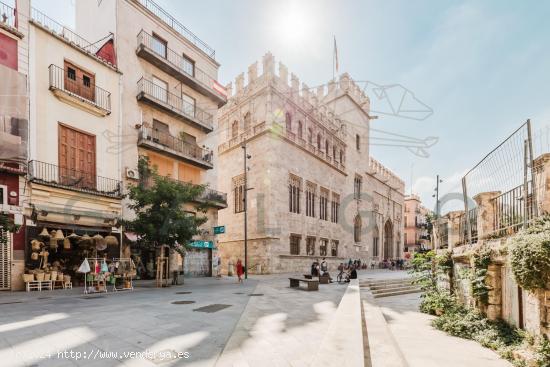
(158, 203)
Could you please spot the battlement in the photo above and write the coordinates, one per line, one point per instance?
(378, 170)
(300, 93)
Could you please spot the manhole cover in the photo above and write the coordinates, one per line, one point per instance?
(238, 293)
(212, 308)
(183, 292)
(10, 302)
(256, 294)
(92, 297)
(44, 297)
(182, 302)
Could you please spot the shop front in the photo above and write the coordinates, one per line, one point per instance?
(198, 259)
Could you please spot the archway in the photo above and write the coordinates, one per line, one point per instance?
(388, 240)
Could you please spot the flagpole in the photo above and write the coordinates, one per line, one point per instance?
(333, 57)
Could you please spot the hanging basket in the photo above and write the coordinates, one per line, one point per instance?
(44, 233)
(34, 256)
(100, 243)
(111, 240)
(36, 245)
(85, 240)
(59, 235)
(66, 243)
(53, 244)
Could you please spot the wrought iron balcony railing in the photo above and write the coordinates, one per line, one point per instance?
(8, 15)
(174, 104)
(182, 68)
(71, 179)
(61, 79)
(163, 141)
(178, 27)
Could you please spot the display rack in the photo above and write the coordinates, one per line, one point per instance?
(96, 281)
(125, 269)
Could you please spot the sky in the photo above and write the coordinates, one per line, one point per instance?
(482, 67)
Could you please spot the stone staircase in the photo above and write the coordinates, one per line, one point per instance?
(387, 288)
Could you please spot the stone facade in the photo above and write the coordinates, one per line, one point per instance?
(416, 224)
(314, 191)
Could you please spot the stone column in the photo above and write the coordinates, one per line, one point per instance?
(485, 213)
(541, 166)
(494, 282)
(454, 227)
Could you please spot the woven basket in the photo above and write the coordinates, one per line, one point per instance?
(47, 276)
(39, 277)
(66, 278)
(53, 275)
(28, 278)
(60, 276)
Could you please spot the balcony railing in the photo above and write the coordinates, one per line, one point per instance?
(71, 179)
(8, 15)
(66, 33)
(174, 63)
(209, 195)
(60, 79)
(512, 209)
(173, 103)
(178, 27)
(176, 146)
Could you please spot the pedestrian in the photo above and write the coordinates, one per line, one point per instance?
(315, 268)
(353, 273)
(219, 268)
(324, 266)
(240, 270)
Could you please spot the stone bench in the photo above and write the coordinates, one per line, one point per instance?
(312, 285)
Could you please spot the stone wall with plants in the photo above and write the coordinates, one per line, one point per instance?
(465, 288)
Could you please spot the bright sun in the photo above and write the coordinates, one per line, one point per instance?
(295, 25)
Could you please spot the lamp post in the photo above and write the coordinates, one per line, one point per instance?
(245, 202)
(436, 195)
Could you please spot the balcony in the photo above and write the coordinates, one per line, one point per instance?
(178, 27)
(177, 148)
(209, 196)
(81, 93)
(174, 105)
(176, 65)
(70, 179)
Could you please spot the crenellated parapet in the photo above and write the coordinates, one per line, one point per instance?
(380, 171)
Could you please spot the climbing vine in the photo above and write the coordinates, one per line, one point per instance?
(481, 259)
(529, 253)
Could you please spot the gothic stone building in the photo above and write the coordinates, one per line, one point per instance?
(313, 191)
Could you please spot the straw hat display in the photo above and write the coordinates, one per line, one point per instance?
(73, 236)
(100, 243)
(44, 233)
(85, 240)
(111, 240)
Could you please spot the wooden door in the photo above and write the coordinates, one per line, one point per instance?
(77, 160)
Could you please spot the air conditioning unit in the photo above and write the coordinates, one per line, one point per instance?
(132, 174)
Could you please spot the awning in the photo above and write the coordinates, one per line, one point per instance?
(201, 244)
(131, 236)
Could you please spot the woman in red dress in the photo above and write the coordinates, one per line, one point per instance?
(240, 270)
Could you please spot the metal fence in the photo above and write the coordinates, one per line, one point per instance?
(72, 179)
(67, 81)
(506, 172)
(177, 26)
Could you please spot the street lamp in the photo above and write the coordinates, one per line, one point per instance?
(436, 196)
(245, 200)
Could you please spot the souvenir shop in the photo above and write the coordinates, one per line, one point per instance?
(59, 255)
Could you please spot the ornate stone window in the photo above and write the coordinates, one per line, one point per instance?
(310, 136)
(247, 121)
(323, 204)
(294, 190)
(310, 246)
(295, 244)
(375, 242)
(300, 129)
(319, 141)
(341, 156)
(334, 208)
(334, 153)
(235, 129)
(323, 246)
(327, 151)
(357, 184)
(238, 193)
(357, 229)
(334, 248)
(311, 188)
(288, 121)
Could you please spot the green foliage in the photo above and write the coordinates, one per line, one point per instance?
(159, 206)
(444, 262)
(422, 270)
(6, 225)
(481, 259)
(437, 301)
(529, 253)
(542, 350)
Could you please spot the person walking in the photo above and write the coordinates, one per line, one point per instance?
(240, 270)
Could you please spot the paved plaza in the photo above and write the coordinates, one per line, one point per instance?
(217, 322)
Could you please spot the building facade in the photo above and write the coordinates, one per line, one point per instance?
(416, 225)
(313, 190)
(170, 96)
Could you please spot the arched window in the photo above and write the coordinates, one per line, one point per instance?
(288, 121)
(235, 129)
(334, 153)
(319, 141)
(342, 156)
(375, 241)
(357, 142)
(310, 136)
(300, 129)
(246, 121)
(326, 147)
(357, 229)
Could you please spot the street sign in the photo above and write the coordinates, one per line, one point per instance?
(201, 244)
(219, 229)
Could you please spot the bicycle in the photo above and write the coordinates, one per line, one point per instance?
(342, 277)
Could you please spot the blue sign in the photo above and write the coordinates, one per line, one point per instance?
(201, 244)
(219, 229)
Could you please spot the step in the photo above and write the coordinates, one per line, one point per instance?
(390, 285)
(396, 289)
(378, 283)
(397, 293)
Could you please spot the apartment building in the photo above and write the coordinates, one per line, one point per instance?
(170, 96)
(416, 225)
(313, 189)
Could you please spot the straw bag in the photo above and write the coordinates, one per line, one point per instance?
(35, 245)
(60, 276)
(53, 275)
(66, 278)
(40, 277)
(66, 243)
(47, 276)
(28, 278)
(34, 256)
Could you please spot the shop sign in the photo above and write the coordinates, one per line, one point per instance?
(219, 229)
(201, 244)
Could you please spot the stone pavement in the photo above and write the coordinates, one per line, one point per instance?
(418, 343)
